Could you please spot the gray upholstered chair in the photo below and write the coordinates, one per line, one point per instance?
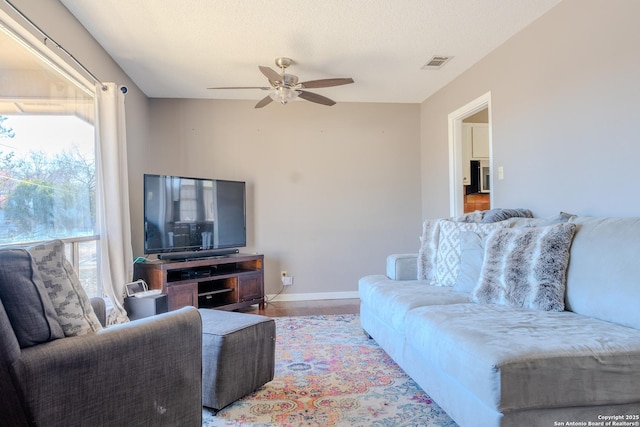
(143, 373)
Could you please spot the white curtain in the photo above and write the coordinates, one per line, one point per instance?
(116, 253)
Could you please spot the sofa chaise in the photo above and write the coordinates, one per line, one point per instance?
(519, 322)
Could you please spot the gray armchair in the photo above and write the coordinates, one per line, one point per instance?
(143, 373)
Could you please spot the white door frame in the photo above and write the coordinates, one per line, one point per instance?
(456, 205)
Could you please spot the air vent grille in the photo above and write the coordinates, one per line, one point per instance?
(436, 62)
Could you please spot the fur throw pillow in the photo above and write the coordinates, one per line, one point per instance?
(526, 267)
(428, 250)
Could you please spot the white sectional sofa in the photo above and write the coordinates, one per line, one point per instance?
(565, 350)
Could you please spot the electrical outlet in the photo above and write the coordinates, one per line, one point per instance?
(285, 278)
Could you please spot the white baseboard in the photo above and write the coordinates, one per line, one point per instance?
(313, 296)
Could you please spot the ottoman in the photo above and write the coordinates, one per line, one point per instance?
(238, 355)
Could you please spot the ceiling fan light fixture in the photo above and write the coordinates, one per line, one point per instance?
(283, 94)
(285, 87)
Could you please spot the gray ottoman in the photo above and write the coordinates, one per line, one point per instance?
(238, 355)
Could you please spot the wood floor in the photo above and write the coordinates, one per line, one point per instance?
(307, 308)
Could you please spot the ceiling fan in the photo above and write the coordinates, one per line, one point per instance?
(285, 87)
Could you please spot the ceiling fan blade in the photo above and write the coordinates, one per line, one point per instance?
(264, 101)
(326, 83)
(242, 87)
(271, 74)
(314, 97)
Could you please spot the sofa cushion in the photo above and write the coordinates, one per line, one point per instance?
(73, 307)
(25, 299)
(390, 300)
(526, 267)
(602, 278)
(514, 358)
(448, 255)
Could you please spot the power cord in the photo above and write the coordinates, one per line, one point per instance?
(268, 300)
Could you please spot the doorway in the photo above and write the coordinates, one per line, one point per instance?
(469, 164)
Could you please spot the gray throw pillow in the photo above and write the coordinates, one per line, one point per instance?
(500, 214)
(25, 299)
(70, 301)
(526, 267)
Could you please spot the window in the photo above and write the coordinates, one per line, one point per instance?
(47, 156)
(188, 200)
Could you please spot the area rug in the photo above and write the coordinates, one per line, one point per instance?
(329, 373)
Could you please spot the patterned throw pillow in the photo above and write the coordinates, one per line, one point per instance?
(448, 253)
(526, 267)
(73, 307)
(428, 250)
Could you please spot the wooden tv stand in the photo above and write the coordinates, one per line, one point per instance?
(228, 282)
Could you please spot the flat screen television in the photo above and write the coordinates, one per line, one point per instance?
(191, 217)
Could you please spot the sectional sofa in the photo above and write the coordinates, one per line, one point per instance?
(518, 322)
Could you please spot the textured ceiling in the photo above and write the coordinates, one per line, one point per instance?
(178, 48)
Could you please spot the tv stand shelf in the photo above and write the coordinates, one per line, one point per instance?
(227, 283)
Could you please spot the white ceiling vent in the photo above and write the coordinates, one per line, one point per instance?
(436, 62)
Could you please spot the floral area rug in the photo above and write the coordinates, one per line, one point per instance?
(328, 373)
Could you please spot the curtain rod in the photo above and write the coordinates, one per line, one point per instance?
(56, 44)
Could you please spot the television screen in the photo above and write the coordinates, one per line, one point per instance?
(193, 214)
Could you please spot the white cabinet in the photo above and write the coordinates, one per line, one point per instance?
(479, 140)
(479, 136)
(475, 146)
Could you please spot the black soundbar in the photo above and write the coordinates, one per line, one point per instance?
(206, 253)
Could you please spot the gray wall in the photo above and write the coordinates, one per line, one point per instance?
(332, 190)
(565, 103)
